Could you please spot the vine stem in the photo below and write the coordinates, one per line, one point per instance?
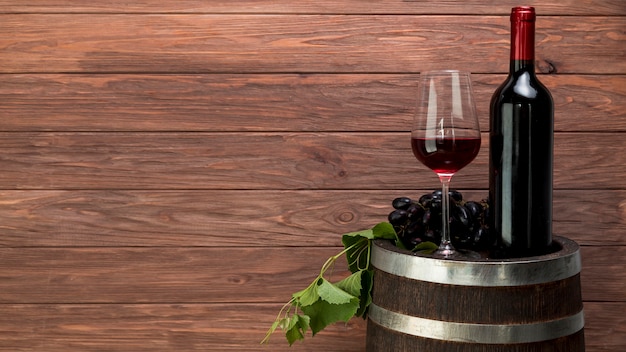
(330, 261)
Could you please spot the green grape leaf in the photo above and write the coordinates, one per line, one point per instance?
(309, 295)
(385, 231)
(333, 294)
(365, 295)
(359, 285)
(426, 247)
(353, 237)
(351, 284)
(296, 328)
(357, 246)
(323, 313)
(322, 302)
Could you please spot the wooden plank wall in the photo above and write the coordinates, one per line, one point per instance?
(172, 170)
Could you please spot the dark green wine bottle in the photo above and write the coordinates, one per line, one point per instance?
(521, 149)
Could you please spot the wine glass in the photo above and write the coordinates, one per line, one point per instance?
(445, 137)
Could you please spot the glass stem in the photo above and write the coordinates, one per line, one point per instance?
(446, 242)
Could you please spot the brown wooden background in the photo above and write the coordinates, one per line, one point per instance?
(171, 171)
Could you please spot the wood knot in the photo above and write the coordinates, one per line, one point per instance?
(346, 217)
(548, 67)
(238, 279)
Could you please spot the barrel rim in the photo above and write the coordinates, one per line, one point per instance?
(559, 265)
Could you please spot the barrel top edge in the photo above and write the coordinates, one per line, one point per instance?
(568, 247)
(559, 265)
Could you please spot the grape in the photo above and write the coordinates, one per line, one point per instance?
(398, 217)
(432, 236)
(415, 211)
(426, 218)
(462, 215)
(435, 204)
(481, 237)
(401, 203)
(420, 221)
(456, 195)
(453, 194)
(425, 200)
(413, 229)
(474, 208)
(412, 235)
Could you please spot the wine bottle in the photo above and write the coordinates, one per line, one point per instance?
(521, 149)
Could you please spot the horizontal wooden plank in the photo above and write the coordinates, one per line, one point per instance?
(604, 327)
(211, 327)
(597, 276)
(271, 161)
(159, 327)
(251, 218)
(558, 7)
(159, 275)
(305, 43)
(213, 275)
(271, 102)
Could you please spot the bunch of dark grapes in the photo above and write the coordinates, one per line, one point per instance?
(417, 221)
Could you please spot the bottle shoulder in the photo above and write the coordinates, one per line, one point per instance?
(521, 87)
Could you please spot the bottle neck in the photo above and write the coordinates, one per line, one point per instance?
(522, 40)
(522, 66)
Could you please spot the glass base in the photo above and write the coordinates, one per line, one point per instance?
(448, 252)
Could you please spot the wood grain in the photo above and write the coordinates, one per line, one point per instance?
(213, 275)
(218, 218)
(171, 171)
(159, 327)
(472, 7)
(284, 43)
(160, 275)
(211, 327)
(277, 161)
(510, 305)
(605, 326)
(276, 102)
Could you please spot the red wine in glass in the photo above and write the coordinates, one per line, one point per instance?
(445, 155)
(446, 137)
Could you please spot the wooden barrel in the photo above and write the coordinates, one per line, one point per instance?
(420, 303)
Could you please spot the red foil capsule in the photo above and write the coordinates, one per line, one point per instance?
(523, 33)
